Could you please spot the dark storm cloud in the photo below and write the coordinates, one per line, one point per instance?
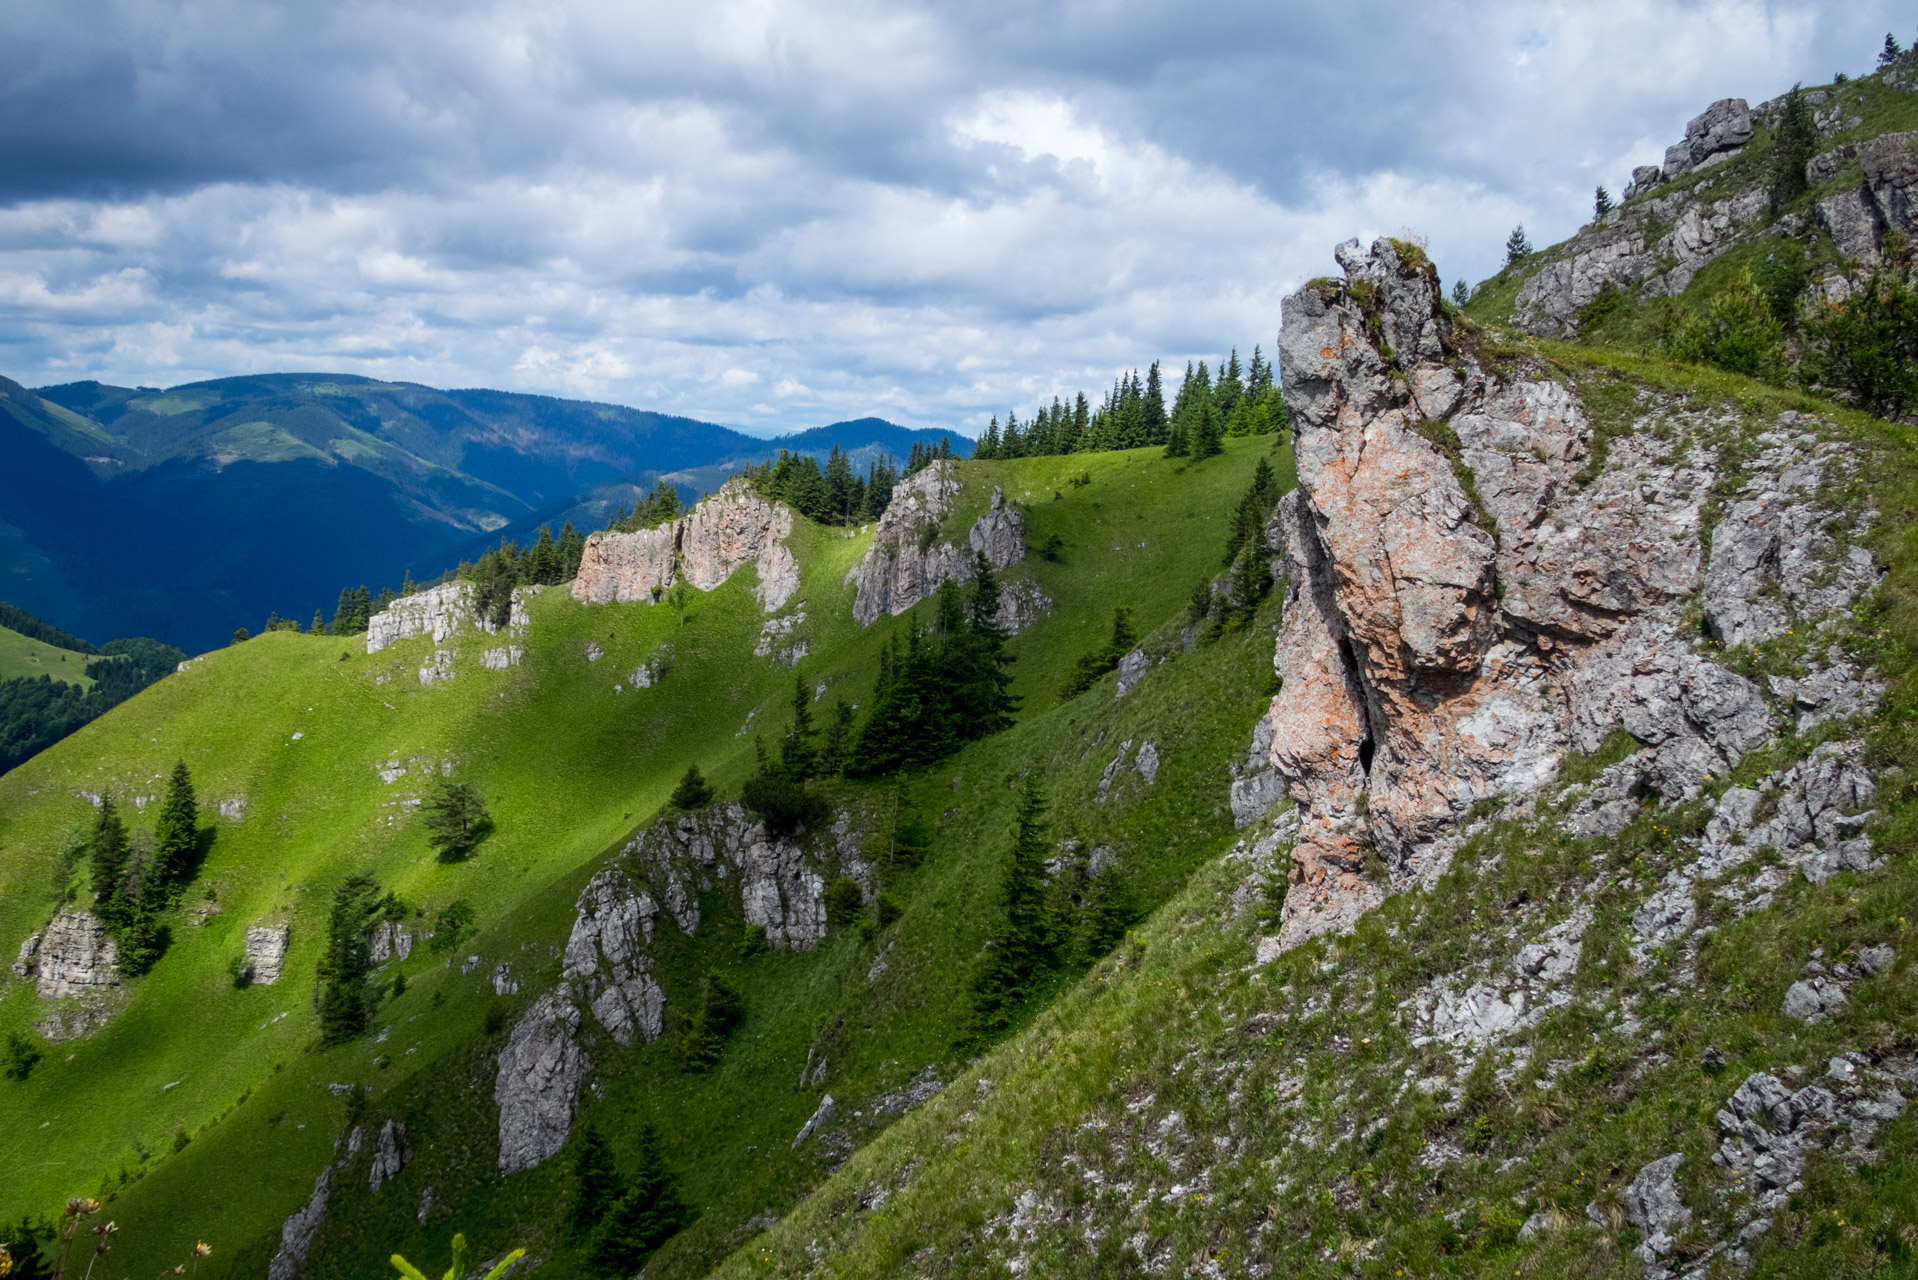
(775, 212)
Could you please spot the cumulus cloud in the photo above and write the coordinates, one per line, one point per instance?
(775, 212)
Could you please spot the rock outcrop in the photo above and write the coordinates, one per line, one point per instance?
(1442, 646)
(391, 1156)
(908, 560)
(440, 612)
(296, 1234)
(721, 534)
(1714, 134)
(75, 957)
(265, 953)
(606, 957)
(608, 968)
(537, 1087)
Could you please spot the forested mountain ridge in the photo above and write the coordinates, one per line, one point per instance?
(138, 510)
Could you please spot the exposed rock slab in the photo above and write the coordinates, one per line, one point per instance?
(391, 1156)
(606, 957)
(296, 1234)
(537, 1086)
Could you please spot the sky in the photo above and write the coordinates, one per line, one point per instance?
(777, 214)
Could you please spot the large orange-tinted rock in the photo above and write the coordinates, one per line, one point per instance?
(1439, 648)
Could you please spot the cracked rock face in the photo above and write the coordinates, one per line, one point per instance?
(718, 537)
(779, 885)
(440, 612)
(537, 1087)
(1426, 663)
(606, 956)
(907, 561)
(75, 957)
(265, 952)
(1767, 1130)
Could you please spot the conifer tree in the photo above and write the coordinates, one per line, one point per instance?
(1022, 938)
(1891, 52)
(456, 820)
(797, 759)
(1518, 246)
(1207, 435)
(693, 792)
(836, 742)
(1229, 389)
(646, 1215)
(1152, 409)
(107, 862)
(345, 1003)
(572, 545)
(1795, 141)
(1461, 292)
(595, 1186)
(176, 834)
(1110, 909)
(1601, 202)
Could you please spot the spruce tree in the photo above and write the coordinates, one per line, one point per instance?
(345, 1003)
(176, 834)
(1110, 909)
(1208, 437)
(572, 545)
(456, 820)
(1794, 143)
(1152, 409)
(692, 791)
(1022, 937)
(107, 860)
(595, 1186)
(1518, 246)
(646, 1215)
(836, 743)
(1601, 202)
(797, 759)
(1461, 292)
(1891, 52)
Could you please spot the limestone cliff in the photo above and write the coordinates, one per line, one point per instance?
(908, 560)
(721, 534)
(1444, 645)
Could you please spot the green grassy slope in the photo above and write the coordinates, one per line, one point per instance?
(1242, 1120)
(24, 656)
(298, 726)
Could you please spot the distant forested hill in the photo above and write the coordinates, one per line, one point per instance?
(188, 512)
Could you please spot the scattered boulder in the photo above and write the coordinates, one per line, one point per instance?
(1131, 668)
(1712, 135)
(1652, 1205)
(1767, 1130)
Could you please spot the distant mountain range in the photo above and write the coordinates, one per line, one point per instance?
(184, 513)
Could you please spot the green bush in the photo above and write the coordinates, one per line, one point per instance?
(843, 902)
(1736, 331)
(22, 1056)
(1866, 347)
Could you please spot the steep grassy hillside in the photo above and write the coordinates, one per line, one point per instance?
(23, 656)
(1195, 1106)
(299, 727)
